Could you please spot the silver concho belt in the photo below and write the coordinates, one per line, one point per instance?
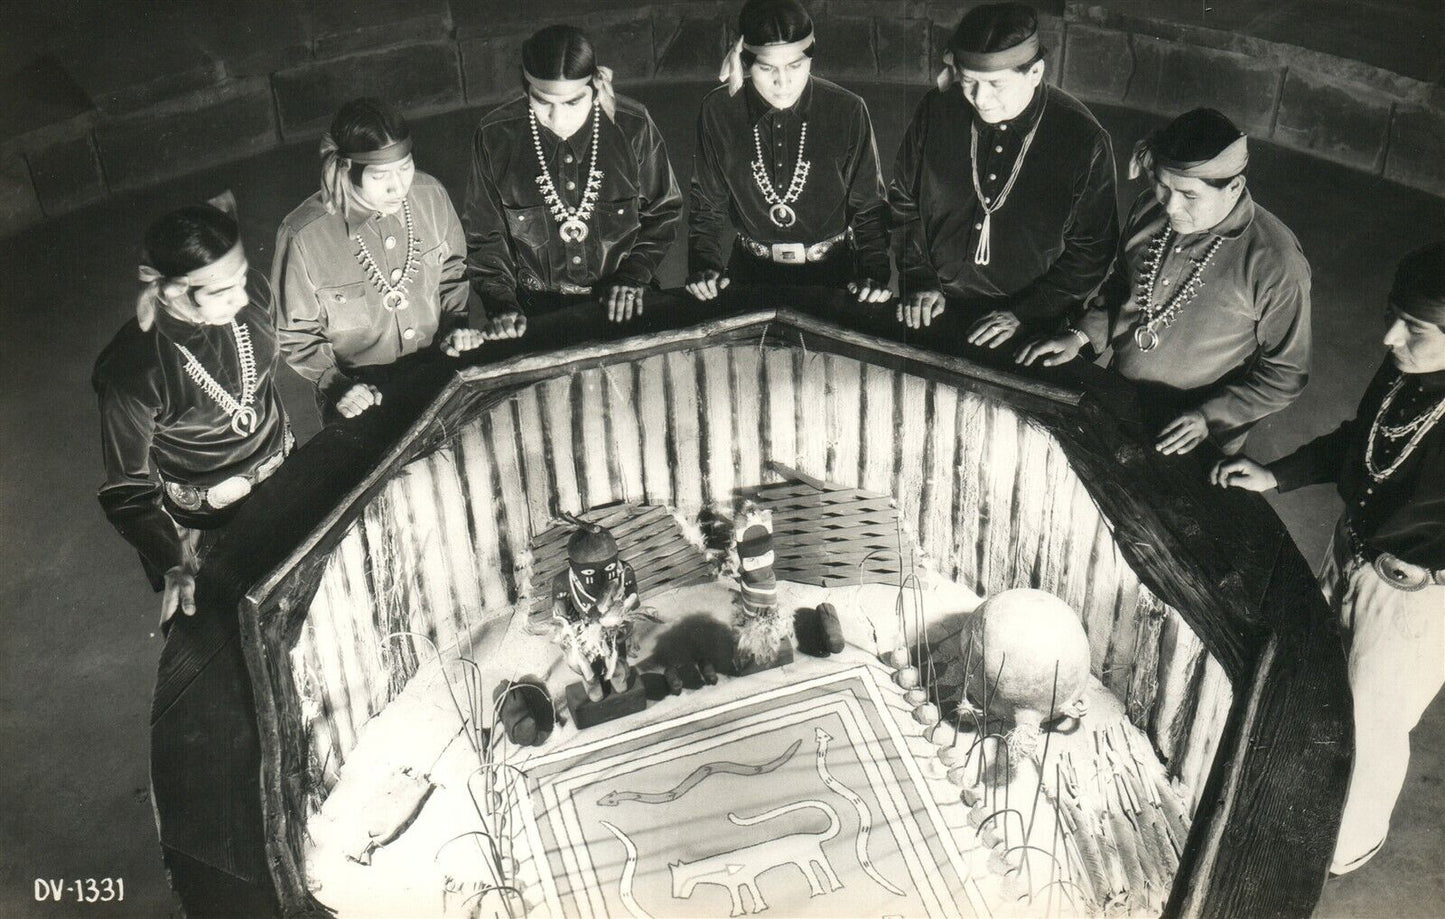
(227, 491)
(792, 253)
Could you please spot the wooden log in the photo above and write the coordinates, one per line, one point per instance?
(683, 431)
(484, 553)
(969, 549)
(536, 464)
(782, 417)
(499, 432)
(999, 488)
(556, 400)
(937, 501)
(913, 420)
(1080, 536)
(810, 368)
(623, 419)
(878, 425)
(651, 400)
(747, 424)
(844, 379)
(458, 585)
(1181, 656)
(721, 456)
(594, 452)
(1031, 500)
(1212, 710)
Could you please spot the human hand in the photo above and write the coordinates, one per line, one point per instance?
(1242, 472)
(179, 593)
(623, 301)
(993, 329)
(706, 284)
(1183, 434)
(1051, 352)
(464, 339)
(920, 308)
(870, 291)
(358, 399)
(509, 324)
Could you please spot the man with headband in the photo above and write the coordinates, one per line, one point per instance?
(190, 417)
(571, 191)
(788, 160)
(1003, 188)
(371, 268)
(1385, 572)
(1208, 306)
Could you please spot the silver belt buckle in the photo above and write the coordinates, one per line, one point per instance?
(790, 253)
(1400, 574)
(228, 491)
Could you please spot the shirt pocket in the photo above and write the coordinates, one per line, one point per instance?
(345, 306)
(617, 222)
(528, 227)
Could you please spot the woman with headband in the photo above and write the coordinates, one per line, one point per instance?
(372, 267)
(190, 419)
(788, 161)
(571, 191)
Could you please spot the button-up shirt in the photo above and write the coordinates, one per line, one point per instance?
(1239, 349)
(1404, 514)
(513, 241)
(157, 423)
(844, 189)
(1052, 239)
(332, 316)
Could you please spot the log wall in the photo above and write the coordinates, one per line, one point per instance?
(985, 495)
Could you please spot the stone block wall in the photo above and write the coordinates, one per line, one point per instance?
(243, 78)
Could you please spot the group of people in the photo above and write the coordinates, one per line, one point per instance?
(1001, 208)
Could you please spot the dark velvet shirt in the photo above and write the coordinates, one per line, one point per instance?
(1053, 238)
(513, 241)
(844, 190)
(155, 421)
(1404, 514)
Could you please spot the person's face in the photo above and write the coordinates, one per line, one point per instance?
(384, 187)
(1416, 346)
(780, 75)
(1000, 95)
(561, 113)
(1193, 205)
(217, 302)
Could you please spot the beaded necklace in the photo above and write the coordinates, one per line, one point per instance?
(780, 212)
(243, 416)
(983, 254)
(393, 296)
(1416, 429)
(1146, 333)
(572, 219)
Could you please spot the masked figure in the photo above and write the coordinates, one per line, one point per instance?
(594, 604)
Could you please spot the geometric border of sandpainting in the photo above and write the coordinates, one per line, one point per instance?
(688, 842)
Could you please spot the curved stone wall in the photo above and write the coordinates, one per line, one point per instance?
(272, 73)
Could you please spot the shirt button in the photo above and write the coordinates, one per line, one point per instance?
(395, 275)
(390, 242)
(576, 259)
(992, 176)
(408, 334)
(1166, 282)
(1003, 127)
(620, 211)
(1178, 248)
(998, 149)
(978, 226)
(987, 200)
(571, 185)
(567, 158)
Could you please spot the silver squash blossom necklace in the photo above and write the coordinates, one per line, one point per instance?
(573, 220)
(243, 416)
(1153, 319)
(1415, 429)
(393, 295)
(780, 210)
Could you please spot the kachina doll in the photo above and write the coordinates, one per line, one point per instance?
(594, 606)
(763, 632)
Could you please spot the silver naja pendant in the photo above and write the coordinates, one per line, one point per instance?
(782, 216)
(394, 300)
(244, 421)
(1146, 338)
(573, 230)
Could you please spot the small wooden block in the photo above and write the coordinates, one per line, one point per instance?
(614, 705)
(784, 657)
